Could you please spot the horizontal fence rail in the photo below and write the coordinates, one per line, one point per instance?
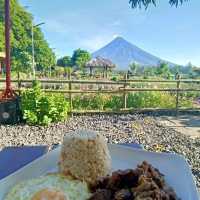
(113, 91)
(105, 82)
(123, 87)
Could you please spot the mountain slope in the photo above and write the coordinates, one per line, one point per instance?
(122, 53)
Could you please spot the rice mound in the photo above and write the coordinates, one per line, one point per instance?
(85, 156)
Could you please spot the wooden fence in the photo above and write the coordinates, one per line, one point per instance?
(122, 87)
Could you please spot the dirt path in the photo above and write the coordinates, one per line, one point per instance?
(186, 124)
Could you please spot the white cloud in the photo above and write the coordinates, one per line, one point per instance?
(116, 35)
(95, 42)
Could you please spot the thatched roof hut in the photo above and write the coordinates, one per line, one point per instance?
(101, 63)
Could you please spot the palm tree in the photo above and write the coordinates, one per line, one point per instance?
(146, 3)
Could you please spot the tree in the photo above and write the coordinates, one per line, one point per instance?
(196, 71)
(134, 67)
(23, 62)
(21, 45)
(189, 69)
(80, 57)
(149, 71)
(176, 69)
(146, 3)
(64, 61)
(163, 70)
(68, 72)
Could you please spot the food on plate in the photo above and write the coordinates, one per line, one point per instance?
(143, 183)
(49, 194)
(85, 174)
(85, 156)
(50, 187)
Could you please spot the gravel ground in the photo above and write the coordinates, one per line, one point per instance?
(117, 128)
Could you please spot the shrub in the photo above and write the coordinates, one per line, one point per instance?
(90, 102)
(114, 102)
(41, 109)
(114, 78)
(150, 100)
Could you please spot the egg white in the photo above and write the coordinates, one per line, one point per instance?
(72, 189)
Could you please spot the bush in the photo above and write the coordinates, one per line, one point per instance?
(114, 103)
(90, 102)
(114, 78)
(42, 109)
(150, 100)
(97, 102)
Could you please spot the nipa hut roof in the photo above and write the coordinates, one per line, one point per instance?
(100, 62)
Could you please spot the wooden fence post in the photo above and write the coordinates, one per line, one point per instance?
(70, 95)
(125, 93)
(177, 93)
(19, 83)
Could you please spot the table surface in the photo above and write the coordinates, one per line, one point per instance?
(14, 158)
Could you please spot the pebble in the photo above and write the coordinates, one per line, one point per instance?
(128, 128)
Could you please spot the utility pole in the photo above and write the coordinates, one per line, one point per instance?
(33, 51)
(33, 47)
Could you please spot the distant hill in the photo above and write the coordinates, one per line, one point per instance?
(122, 53)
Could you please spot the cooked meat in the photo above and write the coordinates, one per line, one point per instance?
(102, 195)
(143, 183)
(123, 194)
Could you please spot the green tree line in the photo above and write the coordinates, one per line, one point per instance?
(164, 70)
(21, 43)
(78, 59)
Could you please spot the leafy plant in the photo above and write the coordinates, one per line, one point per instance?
(90, 101)
(114, 103)
(134, 67)
(42, 109)
(146, 3)
(21, 44)
(80, 57)
(64, 61)
(114, 78)
(150, 100)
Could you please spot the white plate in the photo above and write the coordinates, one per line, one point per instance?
(175, 168)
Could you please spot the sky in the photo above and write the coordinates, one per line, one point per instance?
(170, 33)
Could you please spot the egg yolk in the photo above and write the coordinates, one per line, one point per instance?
(49, 194)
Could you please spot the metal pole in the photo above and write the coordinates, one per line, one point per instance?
(33, 48)
(33, 51)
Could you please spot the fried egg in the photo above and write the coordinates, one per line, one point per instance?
(50, 187)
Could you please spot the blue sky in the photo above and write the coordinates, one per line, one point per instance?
(170, 33)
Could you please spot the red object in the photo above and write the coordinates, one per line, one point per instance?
(8, 93)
